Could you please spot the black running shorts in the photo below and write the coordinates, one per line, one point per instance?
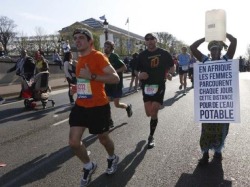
(158, 97)
(181, 72)
(96, 119)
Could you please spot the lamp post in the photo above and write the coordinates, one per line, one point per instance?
(106, 25)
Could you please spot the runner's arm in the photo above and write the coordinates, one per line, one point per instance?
(110, 76)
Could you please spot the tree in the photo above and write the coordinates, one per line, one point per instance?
(164, 39)
(7, 33)
(169, 42)
(248, 52)
(96, 42)
(41, 38)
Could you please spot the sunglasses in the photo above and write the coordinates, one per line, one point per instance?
(151, 38)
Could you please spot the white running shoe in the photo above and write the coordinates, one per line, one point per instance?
(112, 165)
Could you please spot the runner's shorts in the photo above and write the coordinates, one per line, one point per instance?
(158, 97)
(96, 119)
(181, 72)
(113, 91)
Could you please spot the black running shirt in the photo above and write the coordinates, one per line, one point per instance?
(156, 64)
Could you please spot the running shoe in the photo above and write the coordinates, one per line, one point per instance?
(185, 91)
(151, 142)
(86, 178)
(129, 110)
(112, 165)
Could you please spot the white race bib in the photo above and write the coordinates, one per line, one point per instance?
(184, 68)
(83, 89)
(151, 89)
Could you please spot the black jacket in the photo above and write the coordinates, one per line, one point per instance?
(28, 67)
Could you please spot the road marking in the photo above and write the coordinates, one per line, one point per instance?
(11, 102)
(58, 91)
(60, 122)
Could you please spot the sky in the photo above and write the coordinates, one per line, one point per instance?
(184, 19)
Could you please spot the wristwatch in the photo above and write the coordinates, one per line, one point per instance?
(93, 76)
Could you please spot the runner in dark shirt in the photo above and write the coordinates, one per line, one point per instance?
(114, 91)
(153, 63)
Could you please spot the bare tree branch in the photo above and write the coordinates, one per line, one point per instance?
(7, 33)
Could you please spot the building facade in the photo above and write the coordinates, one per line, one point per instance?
(126, 42)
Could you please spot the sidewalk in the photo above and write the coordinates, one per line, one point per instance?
(57, 83)
(14, 89)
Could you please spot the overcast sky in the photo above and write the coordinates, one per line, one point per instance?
(181, 18)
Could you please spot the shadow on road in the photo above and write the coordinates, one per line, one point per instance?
(43, 165)
(36, 169)
(178, 95)
(33, 114)
(117, 126)
(66, 109)
(210, 175)
(125, 171)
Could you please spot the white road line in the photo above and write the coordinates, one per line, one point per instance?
(11, 103)
(18, 101)
(54, 92)
(60, 122)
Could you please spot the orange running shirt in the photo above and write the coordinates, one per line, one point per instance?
(96, 62)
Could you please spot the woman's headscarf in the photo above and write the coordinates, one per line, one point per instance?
(218, 44)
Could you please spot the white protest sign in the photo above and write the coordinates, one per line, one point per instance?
(216, 92)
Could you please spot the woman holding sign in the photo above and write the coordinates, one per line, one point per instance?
(213, 135)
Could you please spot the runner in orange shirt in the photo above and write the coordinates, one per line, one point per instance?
(92, 109)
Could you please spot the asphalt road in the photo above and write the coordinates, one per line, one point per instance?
(34, 145)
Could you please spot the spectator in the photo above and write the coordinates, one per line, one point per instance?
(41, 52)
(57, 58)
(24, 66)
(134, 72)
(70, 70)
(126, 62)
(41, 63)
(37, 55)
(66, 47)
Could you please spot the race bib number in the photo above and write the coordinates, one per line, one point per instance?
(83, 89)
(151, 89)
(184, 68)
